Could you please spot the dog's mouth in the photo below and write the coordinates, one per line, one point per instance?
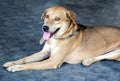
(48, 35)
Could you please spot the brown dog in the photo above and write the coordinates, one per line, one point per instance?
(67, 41)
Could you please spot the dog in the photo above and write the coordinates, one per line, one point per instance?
(67, 41)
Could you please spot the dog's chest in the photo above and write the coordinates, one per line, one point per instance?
(71, 56)
(73, 59)
(56, 44)
(76, 56)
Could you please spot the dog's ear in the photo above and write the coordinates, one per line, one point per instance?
(43, 15)
(71, 15)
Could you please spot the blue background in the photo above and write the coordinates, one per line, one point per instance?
(20, 31)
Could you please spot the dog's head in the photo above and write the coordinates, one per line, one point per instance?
(57, 19)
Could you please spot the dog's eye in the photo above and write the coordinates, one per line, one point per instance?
(57, 19)
(46, 16)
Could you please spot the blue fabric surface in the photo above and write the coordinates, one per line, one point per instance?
(20, 31)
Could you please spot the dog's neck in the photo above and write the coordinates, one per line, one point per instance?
(79, 28)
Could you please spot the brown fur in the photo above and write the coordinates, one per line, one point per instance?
(87, 46)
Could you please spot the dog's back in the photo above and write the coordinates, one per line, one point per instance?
(101, 38)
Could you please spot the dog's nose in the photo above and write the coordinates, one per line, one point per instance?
(45, 28)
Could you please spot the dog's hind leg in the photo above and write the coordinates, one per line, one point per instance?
(118, 59)
(113, 55)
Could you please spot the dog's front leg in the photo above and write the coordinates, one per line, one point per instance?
(35, 57)
(32, 58)
(53, 62)
(46, 64)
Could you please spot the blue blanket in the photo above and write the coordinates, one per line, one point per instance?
(20, 31)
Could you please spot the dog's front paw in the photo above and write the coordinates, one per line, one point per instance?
(8, 64)
(88, 61)
(15, 68)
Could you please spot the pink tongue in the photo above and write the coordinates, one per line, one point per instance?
(46, 35)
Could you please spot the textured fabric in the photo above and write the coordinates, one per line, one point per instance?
(20, 31)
